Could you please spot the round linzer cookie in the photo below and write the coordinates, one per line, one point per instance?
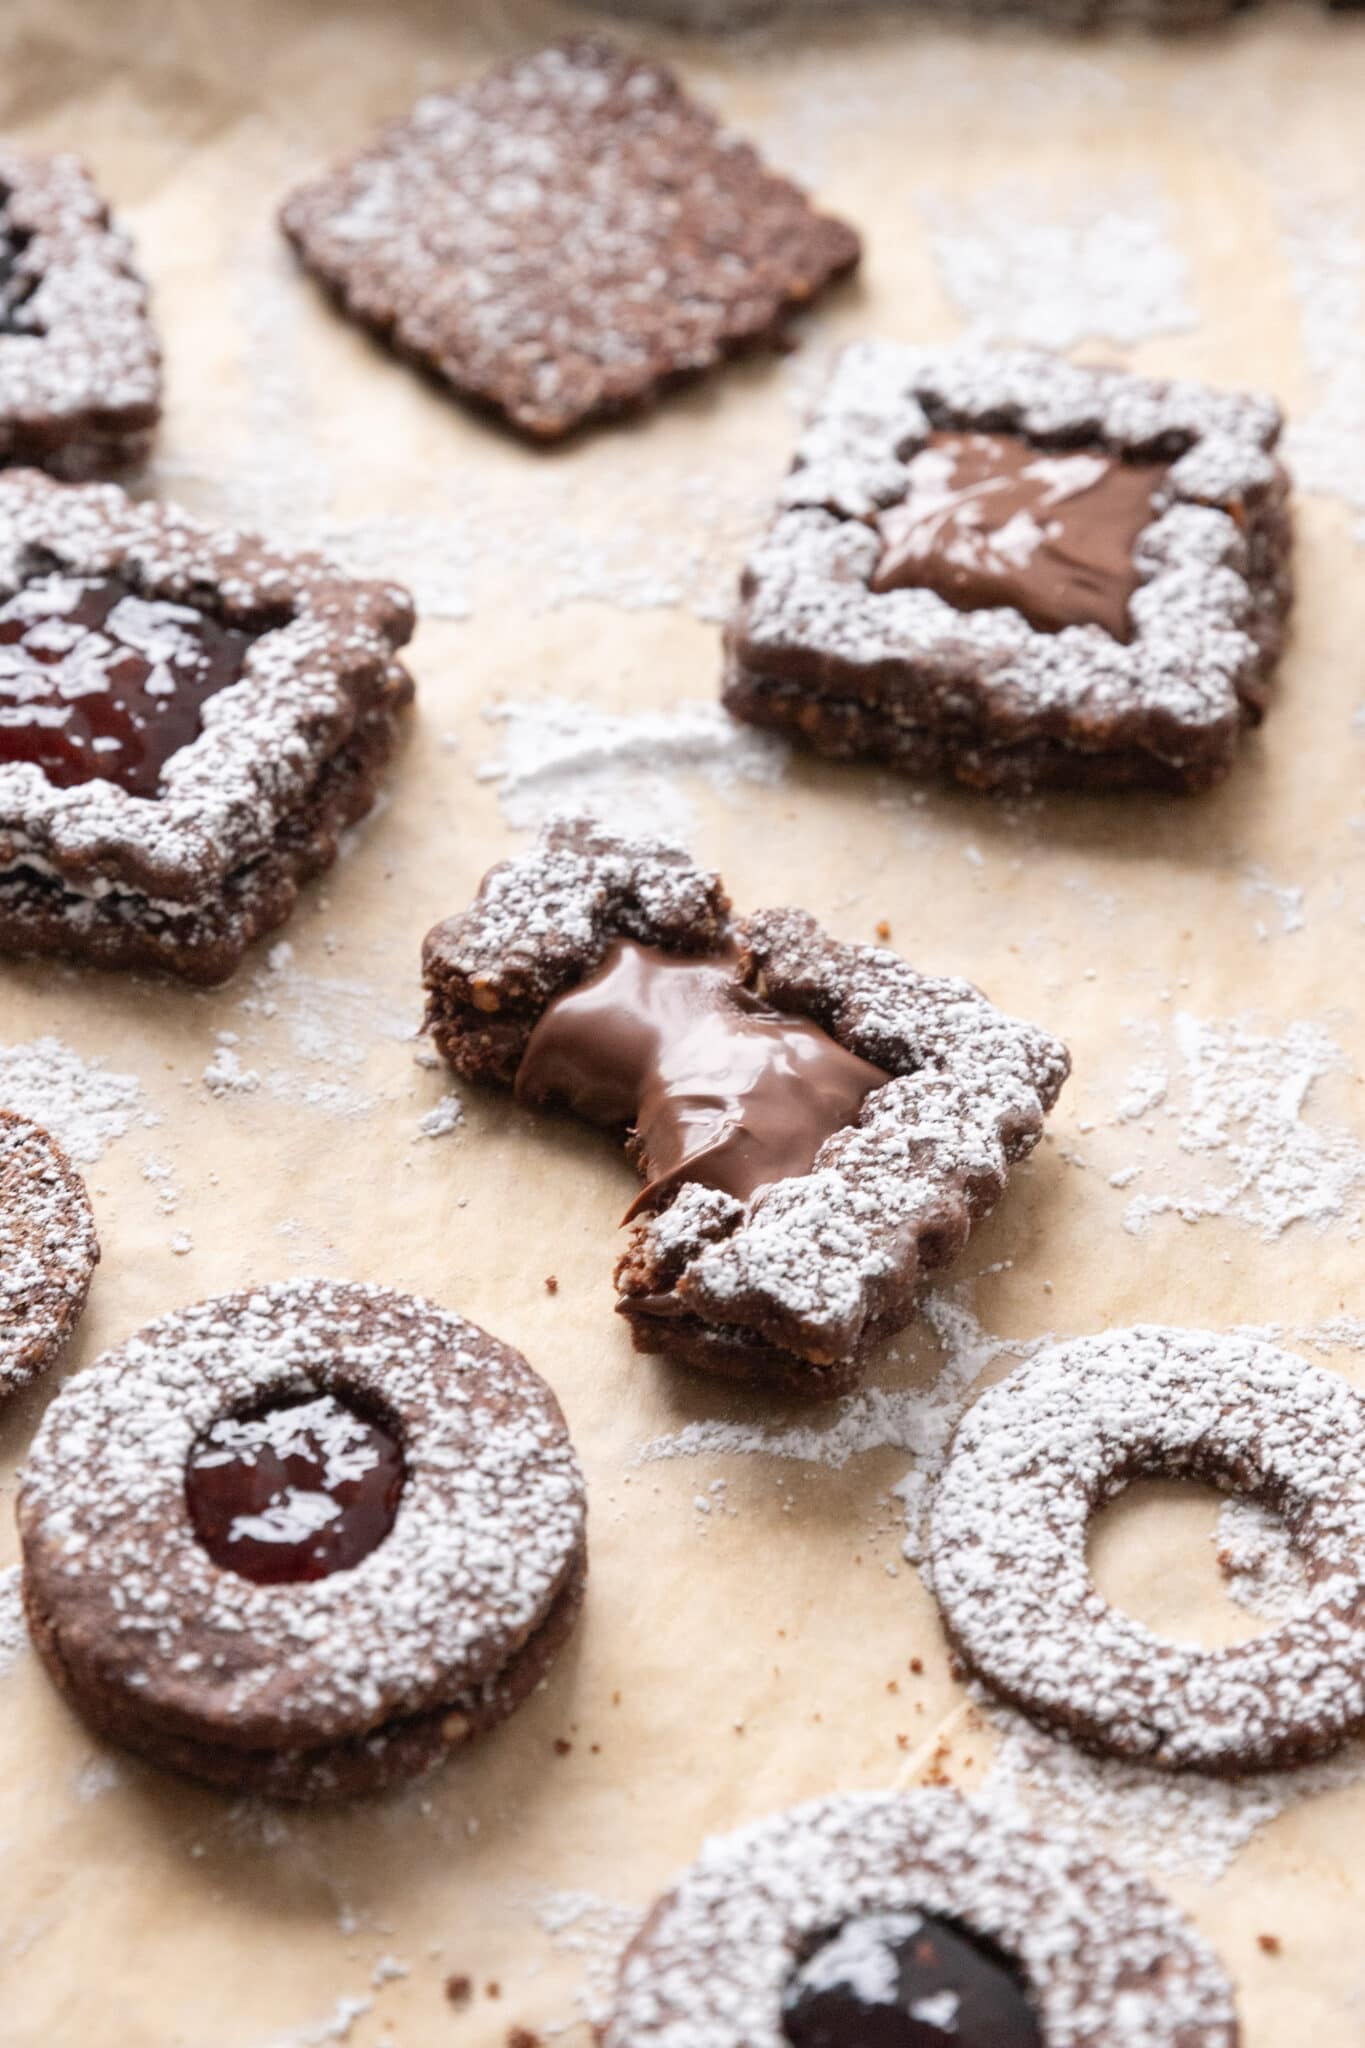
(304, 1540)
(1039, 1453)
(904, 1919)
(48, 1250)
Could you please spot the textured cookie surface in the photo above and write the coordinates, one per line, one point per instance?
(792, 1285)
(1107, 1962)
(48, 1249)
(251, 803)
(1041, 1452)
(162, 1647)
(80, 369)
(816, 651)
(565, 238)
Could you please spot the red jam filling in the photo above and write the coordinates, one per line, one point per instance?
(298, 1490)
(98, 682)
(907, 1980)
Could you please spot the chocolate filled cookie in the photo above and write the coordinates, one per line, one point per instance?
(188, 721)
(48, 1250)
(565, 239)
(816, 1125)
(80, 369)
(1002, 567)
(1041, 1452)
(302, 1541)
(910, 1920)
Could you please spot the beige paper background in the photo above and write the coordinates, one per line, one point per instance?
(728, 1663)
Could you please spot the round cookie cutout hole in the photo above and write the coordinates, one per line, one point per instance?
(296, 1487)
(1195, 1564)
(907, 1980)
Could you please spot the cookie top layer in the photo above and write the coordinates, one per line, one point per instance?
(1108, 1963)
(1197, 616)
(488, 1528)
(564, 237)
(323, 656)
(810, 1262)
(1040, 1452)
(77, 351)
(48, 1249)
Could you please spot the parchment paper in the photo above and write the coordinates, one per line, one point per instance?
(754, 1651)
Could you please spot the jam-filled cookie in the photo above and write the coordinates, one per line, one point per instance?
(909, 1920)
(566, 238)
(302, 1541)
(1042, 1451)
(188, 720)
(48, 1250)
(1006, 568)
(80, 368)
(816, 1125)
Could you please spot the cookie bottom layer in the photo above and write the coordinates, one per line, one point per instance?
(205, 942)
(847, 729)
(733, 1353)
(368, 1763)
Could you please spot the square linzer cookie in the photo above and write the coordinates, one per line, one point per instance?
(566, 238)
(1004, 568)
(80, 369)
(188, 719)
(816, 1125)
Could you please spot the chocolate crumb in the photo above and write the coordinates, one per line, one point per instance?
(1269, 1944)
(883, 930)
(459, 1989)
(562, 1747)
(551, 1284)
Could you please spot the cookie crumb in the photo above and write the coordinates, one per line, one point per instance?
(562, 1747)
(1269, 1944)
(522, 2037)
(551, 1283)
(459, 1988)
(883, 930)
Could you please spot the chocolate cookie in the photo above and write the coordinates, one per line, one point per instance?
(565, 239)
(1038, 1454)
(817, 1125)
(304, 1540)
(907, 1919)
(48, 1250)
(80, 369)
(708, 16)
(188, 719)
(1005, 568)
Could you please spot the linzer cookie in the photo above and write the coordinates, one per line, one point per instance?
(48, 1250)
(302, 1541)
(188, 720)
(1041, 1452)
(1004, 568)
(80, 369)
(565, 239)
(906, 1920)
(816, 1125)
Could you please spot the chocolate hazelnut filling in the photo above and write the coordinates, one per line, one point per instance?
(297, 1490)
(712, 1083)
(98, 682)
(990, 520)
(907, 1980)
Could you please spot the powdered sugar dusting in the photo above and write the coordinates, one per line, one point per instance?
(1051, 269)
(1035, 1457)
(1107, 1960)
(490, 1517)
(1187, 1826)
(13, 1632)
(1241, 1105)
(557, 755)
(597, 1931)
(77, 1099)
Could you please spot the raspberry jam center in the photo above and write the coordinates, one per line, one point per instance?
(98, 682)
(298, 1490)
(907, 1980)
